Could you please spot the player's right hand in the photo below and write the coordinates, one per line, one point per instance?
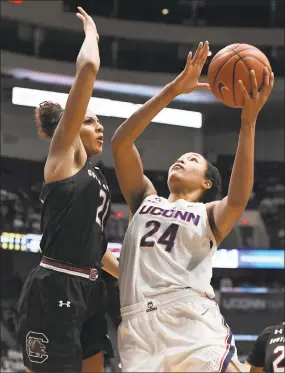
(88, 23)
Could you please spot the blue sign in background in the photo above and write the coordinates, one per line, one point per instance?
(254, 258)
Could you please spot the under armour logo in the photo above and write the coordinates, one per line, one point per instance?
(61, 303)
(278, 331)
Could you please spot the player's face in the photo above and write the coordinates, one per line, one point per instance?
(91, 134)
(188, 173)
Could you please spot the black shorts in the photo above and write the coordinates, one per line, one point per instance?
(61, 321)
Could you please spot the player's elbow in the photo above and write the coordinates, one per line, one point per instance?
(115, 145)
(114, 142)
(235, 209)
(118, 142)
(238, 200)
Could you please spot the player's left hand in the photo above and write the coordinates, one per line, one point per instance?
(187, 81)
(253, 103)
(88, 23)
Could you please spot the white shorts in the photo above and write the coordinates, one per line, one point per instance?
(178, 332)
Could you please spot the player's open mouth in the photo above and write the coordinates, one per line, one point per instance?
(100, 140)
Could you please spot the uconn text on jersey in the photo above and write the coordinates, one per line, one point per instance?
(187, 216)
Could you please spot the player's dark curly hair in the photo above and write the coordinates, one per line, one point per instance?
(47, 116)
(214, 193)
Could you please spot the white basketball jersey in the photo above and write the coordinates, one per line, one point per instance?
(167, 247)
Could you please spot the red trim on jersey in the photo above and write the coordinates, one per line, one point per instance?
(227, 349)
(55, 263)
(227, 341)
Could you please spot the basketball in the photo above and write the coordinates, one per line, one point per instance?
(231, 64)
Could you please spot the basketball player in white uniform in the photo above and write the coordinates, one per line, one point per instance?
(170, 322)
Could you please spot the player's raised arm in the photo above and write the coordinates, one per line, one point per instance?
(66, 134)
(228, 211)
(129, 169)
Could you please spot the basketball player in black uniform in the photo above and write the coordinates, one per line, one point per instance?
(268, 351)
(61, 309)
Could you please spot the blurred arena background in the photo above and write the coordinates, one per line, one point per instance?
(143, 44)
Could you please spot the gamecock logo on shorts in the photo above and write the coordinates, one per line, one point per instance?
(36, 345)
(93, 274)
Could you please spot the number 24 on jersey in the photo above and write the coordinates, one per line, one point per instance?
(167, 238)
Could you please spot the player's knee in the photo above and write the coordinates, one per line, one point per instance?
(93, 364)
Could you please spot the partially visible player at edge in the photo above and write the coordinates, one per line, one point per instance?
(268, 353)
(62, 327)
(169, 319)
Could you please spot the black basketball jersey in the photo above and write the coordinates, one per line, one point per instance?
(268, 351)
(74, 215)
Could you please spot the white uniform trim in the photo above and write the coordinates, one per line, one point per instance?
(63, 270)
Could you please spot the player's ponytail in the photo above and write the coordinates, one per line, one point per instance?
(47, 117)
(214, 193)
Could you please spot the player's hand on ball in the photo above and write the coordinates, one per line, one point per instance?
(88, 23)
(253, 103)
(188, 81)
